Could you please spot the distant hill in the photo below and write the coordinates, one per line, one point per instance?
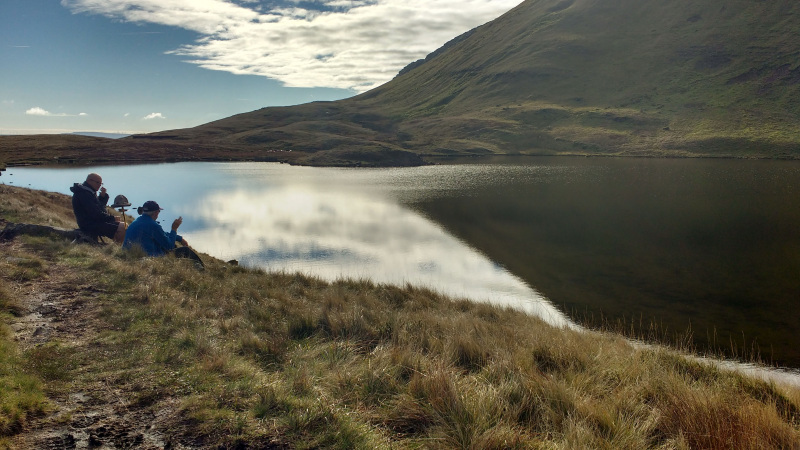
(589, 77)
(103, 135)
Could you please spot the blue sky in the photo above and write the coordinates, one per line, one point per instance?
(134, 66)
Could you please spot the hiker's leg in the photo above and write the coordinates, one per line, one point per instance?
(119, 236)
(186, 252)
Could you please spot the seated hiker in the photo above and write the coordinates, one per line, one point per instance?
(90, 210)
(146, 233)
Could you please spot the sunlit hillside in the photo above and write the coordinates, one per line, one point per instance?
(623, 77)
(588, 77)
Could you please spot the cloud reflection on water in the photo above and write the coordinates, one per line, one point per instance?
(332, 235)
(330, 223)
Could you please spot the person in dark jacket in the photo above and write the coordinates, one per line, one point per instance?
(90, 210)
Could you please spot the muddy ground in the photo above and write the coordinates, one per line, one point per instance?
(63, 308)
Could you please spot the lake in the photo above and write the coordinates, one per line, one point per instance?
(667, 247)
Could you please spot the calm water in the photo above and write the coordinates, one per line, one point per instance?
(710, 247)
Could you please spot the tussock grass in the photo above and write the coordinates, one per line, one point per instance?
(24, 267)
(253, 358)
(9, 304)
(21, 394)
(47, 207)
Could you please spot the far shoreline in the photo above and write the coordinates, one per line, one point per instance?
(429, 160)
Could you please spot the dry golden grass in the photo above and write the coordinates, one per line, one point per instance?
(47, 208)
(244, 357)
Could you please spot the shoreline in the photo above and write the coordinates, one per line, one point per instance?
(789, 376)
(426, 158)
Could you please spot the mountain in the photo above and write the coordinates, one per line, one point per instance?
(100, 134)
(621, 77)
(713, 78)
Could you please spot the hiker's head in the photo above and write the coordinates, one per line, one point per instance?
(150, 208)
(95, 181)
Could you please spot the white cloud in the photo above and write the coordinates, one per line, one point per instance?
(37, 111)
(350, 44)
(153, 116)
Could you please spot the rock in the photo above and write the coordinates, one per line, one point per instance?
(13, 230)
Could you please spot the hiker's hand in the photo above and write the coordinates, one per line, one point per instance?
(103, 190)
(177, 223)
(184, 243)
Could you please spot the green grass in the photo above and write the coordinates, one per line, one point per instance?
(21, 394)
(247, 357)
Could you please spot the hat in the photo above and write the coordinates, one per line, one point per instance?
(120, 201)
(151, 206)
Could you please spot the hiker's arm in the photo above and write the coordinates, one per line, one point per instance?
(103, 197)
(175, 225)
(162, 240)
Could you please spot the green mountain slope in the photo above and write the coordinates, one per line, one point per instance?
(611, 77)
(622, 76)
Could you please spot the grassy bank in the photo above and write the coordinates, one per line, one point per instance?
(103, 347)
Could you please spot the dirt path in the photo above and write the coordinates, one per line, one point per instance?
(61, 308)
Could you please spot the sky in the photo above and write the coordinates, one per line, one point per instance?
(138, 66)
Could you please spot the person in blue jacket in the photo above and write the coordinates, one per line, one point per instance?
(148, 234)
